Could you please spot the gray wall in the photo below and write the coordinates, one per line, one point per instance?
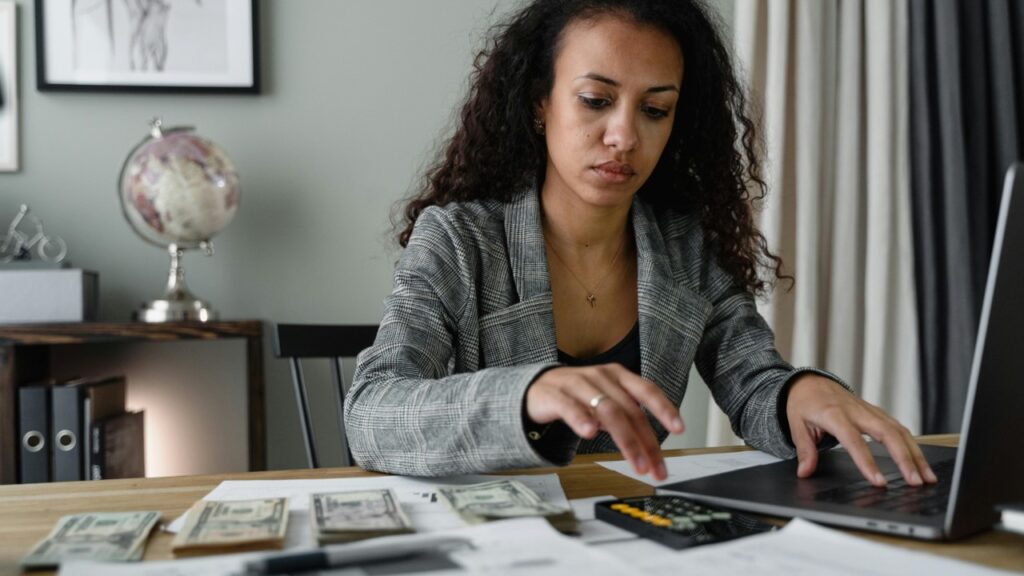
(356, 96)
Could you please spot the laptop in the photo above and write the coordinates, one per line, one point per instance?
(986, 470)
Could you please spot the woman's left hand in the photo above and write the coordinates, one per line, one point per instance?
(817, 405)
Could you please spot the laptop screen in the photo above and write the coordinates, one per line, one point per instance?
(990, 463)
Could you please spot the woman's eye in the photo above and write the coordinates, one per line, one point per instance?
(595, 103)
(656, 113)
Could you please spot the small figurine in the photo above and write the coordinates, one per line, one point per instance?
(18, 245)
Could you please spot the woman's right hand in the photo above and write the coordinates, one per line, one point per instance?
(607, 397)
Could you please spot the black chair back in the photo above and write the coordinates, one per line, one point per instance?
(331, 342)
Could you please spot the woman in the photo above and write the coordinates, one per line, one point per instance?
(586, 236)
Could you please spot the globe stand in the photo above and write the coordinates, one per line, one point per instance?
(178, 304)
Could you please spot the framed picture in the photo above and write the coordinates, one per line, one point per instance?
(8, 86)
(147, 45)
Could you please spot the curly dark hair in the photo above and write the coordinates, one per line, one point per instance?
(711, 161)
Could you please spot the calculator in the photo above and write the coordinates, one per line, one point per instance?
(678, 522)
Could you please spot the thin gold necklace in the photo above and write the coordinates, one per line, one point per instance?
(591, 294)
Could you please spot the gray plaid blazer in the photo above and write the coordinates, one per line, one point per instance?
(469, 326)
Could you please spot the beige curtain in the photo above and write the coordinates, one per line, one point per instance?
(827, 81)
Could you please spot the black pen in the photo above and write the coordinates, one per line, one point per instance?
(339, 555)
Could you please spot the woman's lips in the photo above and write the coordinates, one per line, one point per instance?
(614, 172)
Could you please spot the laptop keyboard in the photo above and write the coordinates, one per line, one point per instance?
(898, 496)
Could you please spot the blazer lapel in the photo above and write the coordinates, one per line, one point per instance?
(527, 327)
(672, 316)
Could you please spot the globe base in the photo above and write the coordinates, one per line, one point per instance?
(178, 303)
(175, 311)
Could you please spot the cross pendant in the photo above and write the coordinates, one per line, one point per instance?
(592, 300)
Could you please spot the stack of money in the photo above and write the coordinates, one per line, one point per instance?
(100, 536)
(213, 527)
(348, 516)
(501, 499)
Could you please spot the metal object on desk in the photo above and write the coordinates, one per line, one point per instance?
(178, 303)
(177, 191)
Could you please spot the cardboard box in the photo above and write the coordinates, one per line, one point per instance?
(57, 295)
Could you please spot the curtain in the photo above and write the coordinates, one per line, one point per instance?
(966, 75)
(828, 87)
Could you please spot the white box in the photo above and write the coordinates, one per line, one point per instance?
(56, 295)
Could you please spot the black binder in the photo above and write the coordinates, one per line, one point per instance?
(34, 433)
(66, 427)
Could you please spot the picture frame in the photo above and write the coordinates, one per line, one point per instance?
(8, 86)
(183, 46)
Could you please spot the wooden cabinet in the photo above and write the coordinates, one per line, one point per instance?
(25, 358)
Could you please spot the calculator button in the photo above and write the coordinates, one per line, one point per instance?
(721, 515)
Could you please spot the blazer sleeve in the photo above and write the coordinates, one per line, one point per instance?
(746, 374)
(407, 412)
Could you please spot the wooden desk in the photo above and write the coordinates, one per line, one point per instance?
(25, 357)
(28, 512)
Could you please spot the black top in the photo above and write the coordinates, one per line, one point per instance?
(626, 352)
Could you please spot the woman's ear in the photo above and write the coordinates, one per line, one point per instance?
(540, 109)
(539, 116)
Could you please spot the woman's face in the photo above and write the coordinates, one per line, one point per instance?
(611, 108)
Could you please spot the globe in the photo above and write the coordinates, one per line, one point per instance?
(178, 190)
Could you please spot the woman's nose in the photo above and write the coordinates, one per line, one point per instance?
(621, 132)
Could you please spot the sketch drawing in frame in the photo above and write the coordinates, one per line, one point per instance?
(147, 45)
(8, 86)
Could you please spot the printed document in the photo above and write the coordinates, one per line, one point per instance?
(689, 467)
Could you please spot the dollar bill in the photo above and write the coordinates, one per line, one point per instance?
(101, 536)
(356, 515)
(222, 526)
(476, 503)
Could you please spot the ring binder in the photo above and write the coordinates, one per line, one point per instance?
(33, 428)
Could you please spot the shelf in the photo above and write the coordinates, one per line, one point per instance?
(86, 332)
(25, 355)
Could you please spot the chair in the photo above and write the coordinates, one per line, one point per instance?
(298, 341)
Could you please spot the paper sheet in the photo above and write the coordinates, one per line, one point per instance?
(689, 467)
(427, 513)
(800, 549)
(527, 546)
(593, 531)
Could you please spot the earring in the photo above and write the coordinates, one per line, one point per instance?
(538, 125)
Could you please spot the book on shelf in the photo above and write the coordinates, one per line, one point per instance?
(117, 444)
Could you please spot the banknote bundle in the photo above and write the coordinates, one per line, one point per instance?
(503, 499)
(348, 516)
(215, 527)
(100, 536)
